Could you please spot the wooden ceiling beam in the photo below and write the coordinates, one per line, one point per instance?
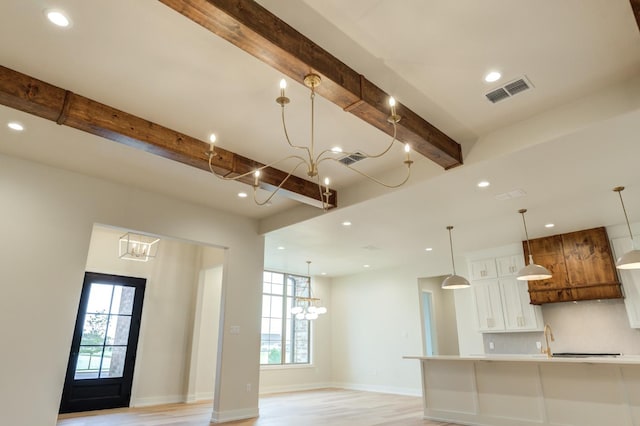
(257, 31)
(25, 93)
(635, 6)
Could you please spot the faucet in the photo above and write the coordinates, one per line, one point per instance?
(547, 332)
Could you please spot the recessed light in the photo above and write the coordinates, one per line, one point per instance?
(549, 225)
(58, 18)
(365, 266)
(428, 249)
(242, 194)
(280, 248)
(336, 149)
(323, 273)
(14, 125)
(492, 76)
(346, 223)
(483, 184)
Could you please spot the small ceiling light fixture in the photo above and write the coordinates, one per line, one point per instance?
(454, 281)
(366, 266)
(429, 249)
(139, 247)
(242, 194)
(549, 225)
(531, 272)
(59, 18)
(14, 125)
(306, 156)
(483, 184)
(280, 247)
(346, 223)
(631, 259)
(308, 307)
(493, 76)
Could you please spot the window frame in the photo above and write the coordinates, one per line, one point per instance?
(288, 301)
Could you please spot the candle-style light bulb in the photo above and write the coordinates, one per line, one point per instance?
(256, 177)
(283, 85)
(212, 141)
(392, 104)
(407, 150)
(326, 182)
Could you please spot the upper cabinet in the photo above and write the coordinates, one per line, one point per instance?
(630, 280)
(483, 269)
(509, 265)
(581, 264)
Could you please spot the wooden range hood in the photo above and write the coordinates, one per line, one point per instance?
(582, 265)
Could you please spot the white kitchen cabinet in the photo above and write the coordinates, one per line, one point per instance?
(488, 301)
(630, 279)
(483, 269)
(509, 265)
(519, 313)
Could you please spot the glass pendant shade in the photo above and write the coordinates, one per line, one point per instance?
(533, 272)
(631, 259)
(454, 281)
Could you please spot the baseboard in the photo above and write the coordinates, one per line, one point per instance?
(294, 388)
(200, 396)
(157, 400)
(231, 415)
(379, 389)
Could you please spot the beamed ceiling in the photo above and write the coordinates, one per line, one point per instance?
(158, 76)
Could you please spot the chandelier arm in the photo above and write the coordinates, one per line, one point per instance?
(304, 160)
(286, 136)
(371, 178)
(262, 203)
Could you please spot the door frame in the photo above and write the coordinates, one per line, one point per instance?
(68, 403)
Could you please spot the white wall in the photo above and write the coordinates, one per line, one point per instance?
(318, 374)
(46, 221)
(444, 316)
(375, 322)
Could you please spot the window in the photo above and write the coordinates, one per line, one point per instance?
(284, 339)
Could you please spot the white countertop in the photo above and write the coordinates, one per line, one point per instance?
(623, 359)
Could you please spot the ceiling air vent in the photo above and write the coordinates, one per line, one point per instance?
(348, 160)
(510, 89)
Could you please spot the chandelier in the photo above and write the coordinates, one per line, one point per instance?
(307, 157)
(308, 307)
(139, 247)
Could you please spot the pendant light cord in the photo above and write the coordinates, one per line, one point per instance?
(626, 218)
(453, 264)
(526, 234)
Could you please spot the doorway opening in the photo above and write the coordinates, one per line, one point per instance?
(428, 325)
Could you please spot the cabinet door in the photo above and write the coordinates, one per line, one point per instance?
(488, 306)
(630, 281)
(483, 269)
(519, 314)
(509, 265)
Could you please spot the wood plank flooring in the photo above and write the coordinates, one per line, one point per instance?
(335, 407)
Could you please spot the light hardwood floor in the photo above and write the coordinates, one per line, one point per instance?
(335, 407)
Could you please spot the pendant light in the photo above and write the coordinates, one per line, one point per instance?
(454, 281)
(531, 272)
(631, 259)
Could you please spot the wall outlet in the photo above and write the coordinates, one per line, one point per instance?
(492, 346)
(539, 345)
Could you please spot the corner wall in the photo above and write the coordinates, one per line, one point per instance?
(46, 223)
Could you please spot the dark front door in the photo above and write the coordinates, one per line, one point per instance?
(103, 349)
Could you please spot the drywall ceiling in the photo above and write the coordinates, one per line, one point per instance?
(146, 59)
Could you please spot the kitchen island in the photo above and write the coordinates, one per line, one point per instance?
(527, 390)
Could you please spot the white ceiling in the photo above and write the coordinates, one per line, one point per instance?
(146, 59)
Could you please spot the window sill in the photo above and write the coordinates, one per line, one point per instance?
(286, 366)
